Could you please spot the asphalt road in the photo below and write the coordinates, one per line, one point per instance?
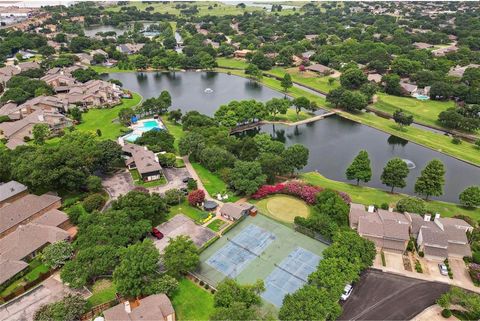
(385, 296)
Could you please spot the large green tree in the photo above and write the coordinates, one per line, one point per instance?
(296, 156)
(69, 308)
(331, 204)
(431, 180)
(470, 197)
(180, 256)
(360, 169)
(140, 205)
(247, 177)
(57, 254)
(286, 82)
(40, 133)
(394, 173)
(333, 273)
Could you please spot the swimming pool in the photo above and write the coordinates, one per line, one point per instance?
(151, 124)
(132, 137)
(421, 97)
(141, 127)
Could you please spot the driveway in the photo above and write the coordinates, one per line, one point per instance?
(394, 260)
(24, 307)
(385, 296)
(174, 178)
(119, 183)
(460, 272)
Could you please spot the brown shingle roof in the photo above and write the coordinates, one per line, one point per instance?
(10, 189)
(152, 308)
(145, 160)
(52, 218)
(435, 251)
(23, 208)
(318, 68)
(235, 210)
(9, 268)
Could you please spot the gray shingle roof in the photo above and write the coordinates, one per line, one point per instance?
(152, 308)
(11, 189)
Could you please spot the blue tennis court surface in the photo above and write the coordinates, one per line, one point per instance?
(234, 256)
(290, 275)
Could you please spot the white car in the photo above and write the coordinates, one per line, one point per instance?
(346, 292)
(443, 269)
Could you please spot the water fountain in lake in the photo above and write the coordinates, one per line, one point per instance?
(410, 164)
(208, 90)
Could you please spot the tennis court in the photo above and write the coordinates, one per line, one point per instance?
(290, 275)
(241, 250)
(258, 248)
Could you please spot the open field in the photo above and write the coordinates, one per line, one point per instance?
(102, 291)
(213, 183)
(194, 213)
(307, 78)
(192, 302)
(174, 129)
(369, 196)
(425, 111)
(103, 119)
(283, 207)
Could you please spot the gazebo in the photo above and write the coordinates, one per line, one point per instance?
(210, 206)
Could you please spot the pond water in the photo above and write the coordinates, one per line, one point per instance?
(333, 142)
(93, 30)
(188, 88)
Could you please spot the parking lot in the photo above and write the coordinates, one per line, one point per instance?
(182, 225)
(385, 296)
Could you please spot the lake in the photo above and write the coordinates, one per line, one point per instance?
(333, 142)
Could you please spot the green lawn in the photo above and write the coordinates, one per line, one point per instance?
(194, 213)
(307, 78)
(283, 208)
(106, 70)
(232, 63)
(137, 180)
(174, 129)
(425, 111)
(36, 267)
(103, 119)
(102, 291)
(369, 196)
(192, 303)
(213, 183)
(216, 225)
(179, 163)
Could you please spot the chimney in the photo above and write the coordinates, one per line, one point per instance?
(41, 118)
(437, 215)
(427, 217)
(127, 307)
(371, 209)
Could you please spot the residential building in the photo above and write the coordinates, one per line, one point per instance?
(442, 237)
(445, 50)
(408, 89)
(60, 81)
(96, 93)
(143, 160)
(319, 68)
(388, 230)
(25, 210)
(458, 71)
(99, 52)
(15, 132)
(130, 48)
(242, 54)
(235, 211)
(155, 307)
(376, 78)
(422, 45)
(11, 191)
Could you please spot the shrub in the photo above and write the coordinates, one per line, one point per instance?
(384, 263)
(74, 213)
(474, 271)
(411, 205)
(418, 267)
(93, 202)
(446, 313)
(384, 206)
(421, 254)
(196, 197)
(410, 246)
(174, 196)
(456, 141)
(192, 184)
(476, 257)
(94, 183)
(202, 283)
(207, 286)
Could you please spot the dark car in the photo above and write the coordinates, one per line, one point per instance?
(184, 190)
(186, 179)
(157, 233)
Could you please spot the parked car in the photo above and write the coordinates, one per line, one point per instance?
(157, 233)
(346, 292)
(443, 269)
(186, 179)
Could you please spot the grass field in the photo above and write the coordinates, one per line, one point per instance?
(369, 196)
(103, 290)
(283, 207)
(103, 119)
(307, 78)
(425, 112)
(232, 63)
(216, 225)
(213, 183)
(192, 303)
(106, 70)
(194, 213)
(174, 129)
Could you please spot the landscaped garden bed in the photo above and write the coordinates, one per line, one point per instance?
(217, 224)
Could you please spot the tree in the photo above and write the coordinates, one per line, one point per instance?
(401, 118)
(180, 256)
(310, 303)
(469, 301)
(296, 157)
(140, 205)
(353, 101)
(470, 197)
(332, 274)
(93, 202)
(174, 196)
(76, 114)
(286, 82)
(84, 75)
(299, 103)
(277, 106)
(394, 173)
(331, 204)
(196, 197)
(125, 115)
(175, 115)
(353, 78)
(57, 254)
(431, 180)
(411, 205)
(40, 133)
(392, 84)
(360, 169)
(441, 90)
(138, 269)
(157, 141)
(70, 308)
(94, 183)
(253, 72)
(167, 159)
(247, 177)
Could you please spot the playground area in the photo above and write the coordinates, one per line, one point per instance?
(261, 248)
(283, 207)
